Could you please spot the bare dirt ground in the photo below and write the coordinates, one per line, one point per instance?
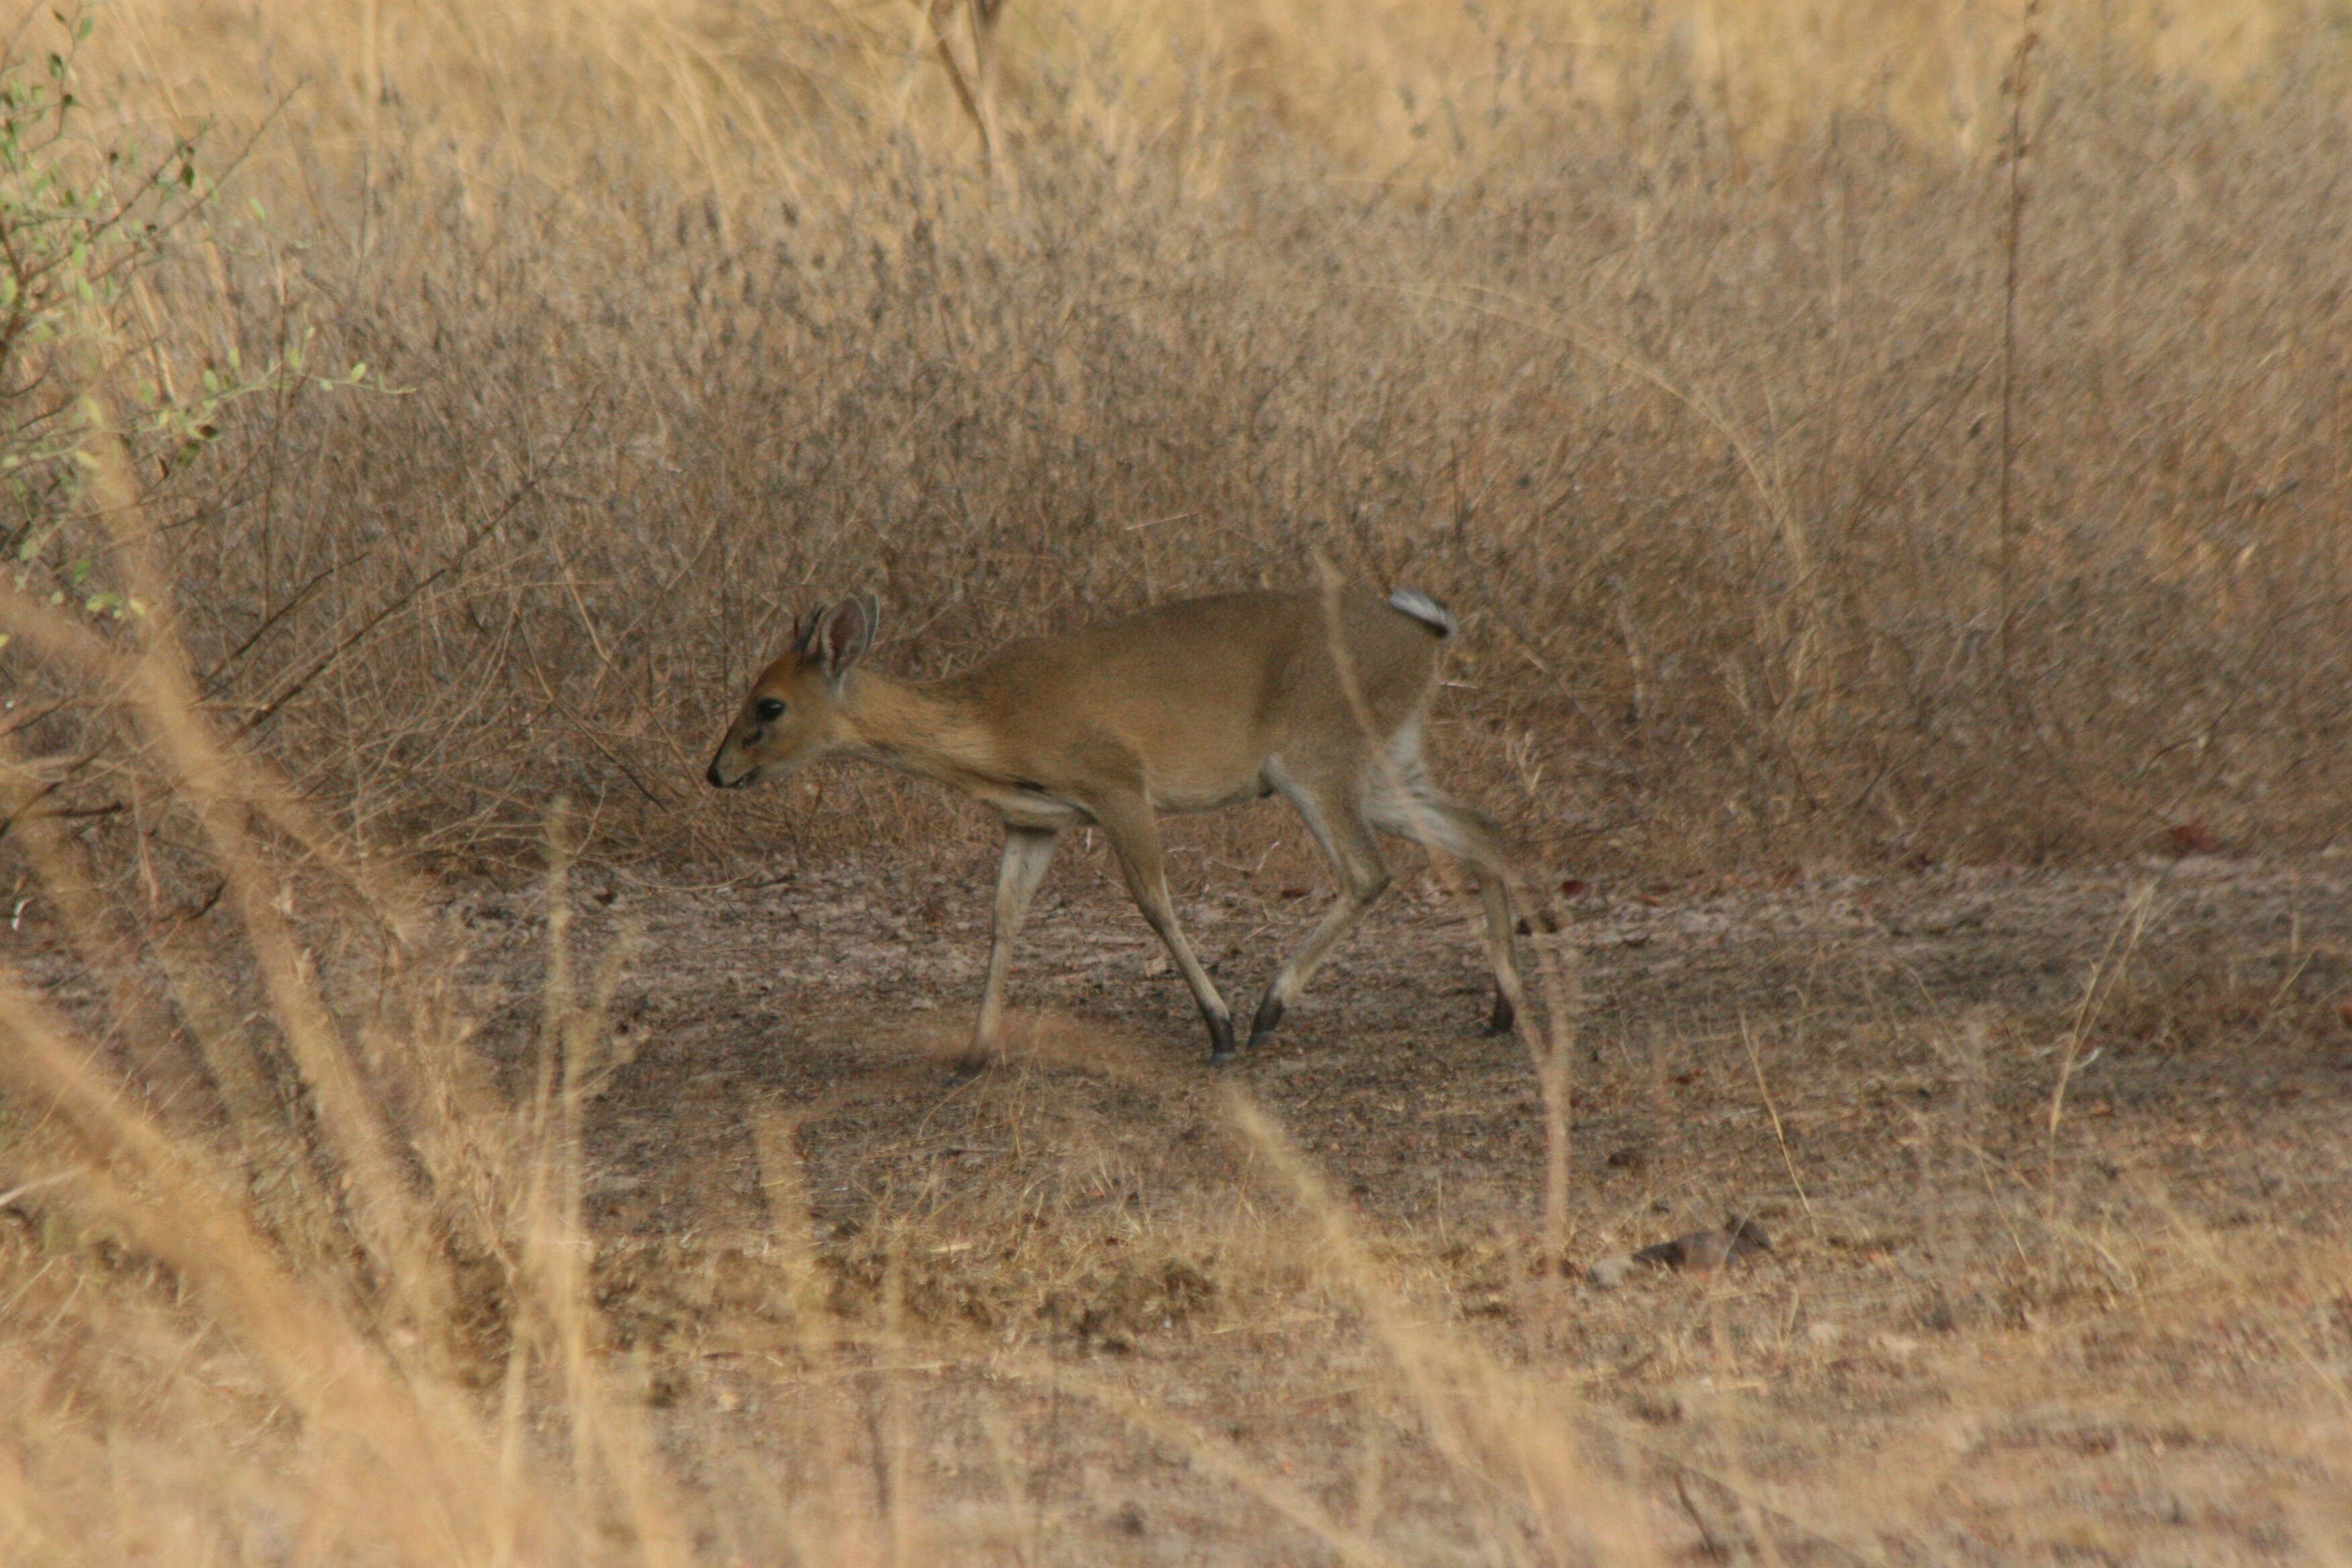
(1082, 1319)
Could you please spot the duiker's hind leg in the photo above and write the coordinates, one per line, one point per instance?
(1331, 814)
(1406, 804)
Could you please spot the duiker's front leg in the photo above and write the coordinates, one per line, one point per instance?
(1135, 838)
(1027, 852)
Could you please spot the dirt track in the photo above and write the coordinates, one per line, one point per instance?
(2007, 1320)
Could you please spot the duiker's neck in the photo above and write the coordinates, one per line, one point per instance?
(920, 730)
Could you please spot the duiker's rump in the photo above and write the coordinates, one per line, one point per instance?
(1318, 696)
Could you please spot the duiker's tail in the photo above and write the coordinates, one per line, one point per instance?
(1426, 610)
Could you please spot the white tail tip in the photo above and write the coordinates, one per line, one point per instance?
(1426, 610)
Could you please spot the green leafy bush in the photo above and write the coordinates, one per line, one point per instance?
(85, 216)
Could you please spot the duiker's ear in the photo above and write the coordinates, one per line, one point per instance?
(843, 634)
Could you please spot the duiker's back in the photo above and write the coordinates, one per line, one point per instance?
(1257, 665)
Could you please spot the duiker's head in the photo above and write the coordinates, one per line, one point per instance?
(793, 715)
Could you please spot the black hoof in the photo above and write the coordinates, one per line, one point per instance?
(970, 1067)
(1225, 1058)
(1221, 1041)
(1500, 1021)
(1268, 1019)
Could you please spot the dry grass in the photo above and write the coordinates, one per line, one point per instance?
(1811, 501)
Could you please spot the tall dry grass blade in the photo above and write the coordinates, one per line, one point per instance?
(101, 936)
(657, 1516)
(2016, 86)
(846, 1521)
(386, 1212)
(299, 1208)
(1476, 1413)
(2123, 943)
(1772, 1112)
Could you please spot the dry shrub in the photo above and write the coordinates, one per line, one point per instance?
(1691, 404)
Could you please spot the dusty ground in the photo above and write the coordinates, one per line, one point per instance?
(1076, 1316)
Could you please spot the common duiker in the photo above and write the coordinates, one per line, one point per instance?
(1318, 696)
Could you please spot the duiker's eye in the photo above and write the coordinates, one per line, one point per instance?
(769, 709)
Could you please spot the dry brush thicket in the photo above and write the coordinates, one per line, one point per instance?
(1691, 401)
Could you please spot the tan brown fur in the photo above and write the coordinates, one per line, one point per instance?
(1188, 707)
